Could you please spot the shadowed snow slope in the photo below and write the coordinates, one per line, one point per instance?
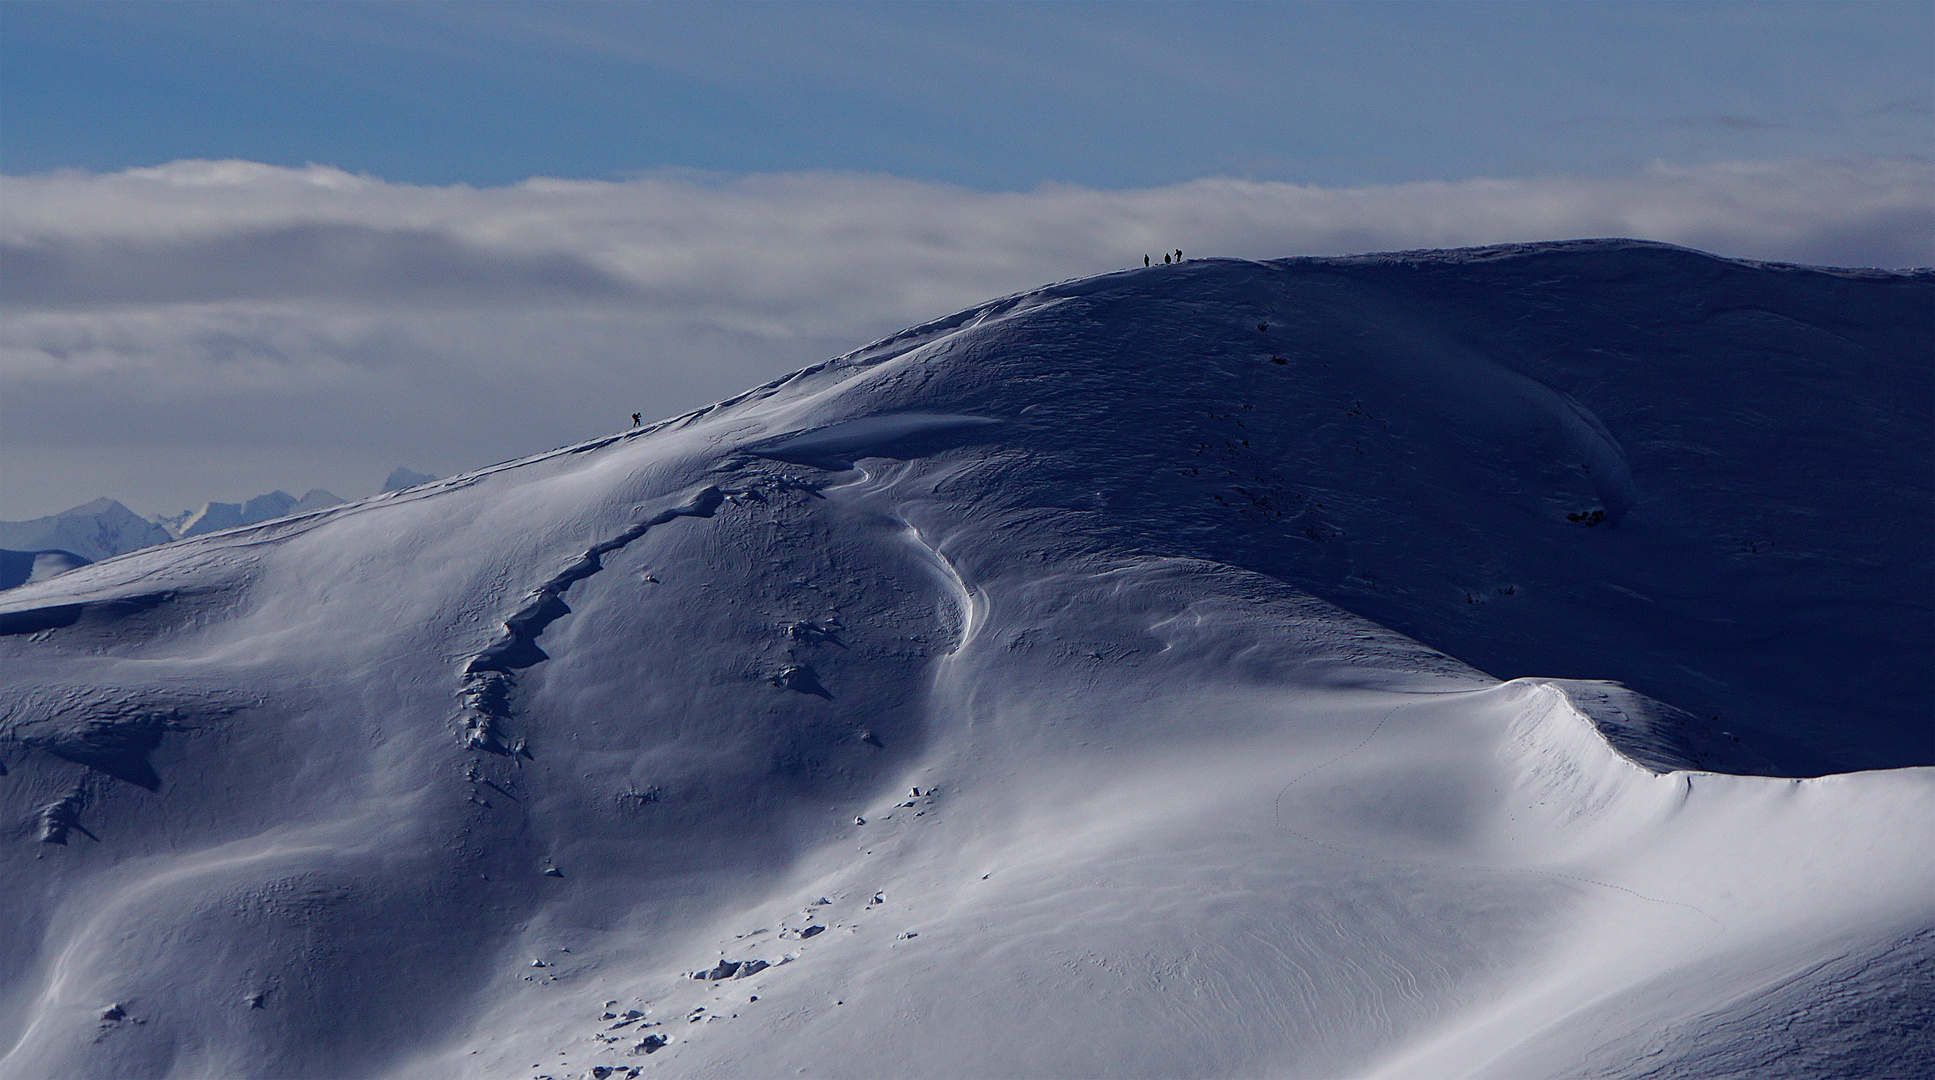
(1103, 681)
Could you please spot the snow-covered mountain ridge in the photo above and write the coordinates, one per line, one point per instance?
(1100, 681)
(103, 528)
(96, 530)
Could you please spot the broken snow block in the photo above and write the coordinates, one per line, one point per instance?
(800, 679)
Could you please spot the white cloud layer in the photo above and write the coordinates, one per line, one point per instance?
(216, 329)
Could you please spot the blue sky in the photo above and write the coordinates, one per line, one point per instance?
(989, 96)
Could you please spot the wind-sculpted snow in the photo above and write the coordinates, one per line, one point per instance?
(900, 436)
(488, 675)
(1447, 664)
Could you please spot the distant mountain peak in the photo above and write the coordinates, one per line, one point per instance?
(216, 516)
(101, 505)
(401, 478)
(104, 527)
(96, 530)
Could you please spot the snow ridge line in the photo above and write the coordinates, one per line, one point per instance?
(971, 603)
(489, 675)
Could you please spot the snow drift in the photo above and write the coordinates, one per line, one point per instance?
(1450, 663)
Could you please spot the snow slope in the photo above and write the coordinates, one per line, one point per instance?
(20, 567)
(1201, 670)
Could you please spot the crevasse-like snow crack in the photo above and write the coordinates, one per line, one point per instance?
(489, 675)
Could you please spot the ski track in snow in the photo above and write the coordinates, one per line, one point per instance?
(1277, 803)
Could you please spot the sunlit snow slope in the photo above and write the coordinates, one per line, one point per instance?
(1105, 681)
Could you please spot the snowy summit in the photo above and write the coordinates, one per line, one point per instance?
(1499, 663)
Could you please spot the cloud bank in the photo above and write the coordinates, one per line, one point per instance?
(216, 329)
